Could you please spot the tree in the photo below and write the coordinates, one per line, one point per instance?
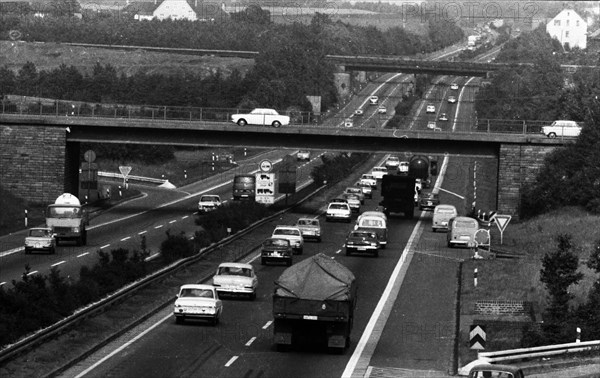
(559, 271)
(589, 313)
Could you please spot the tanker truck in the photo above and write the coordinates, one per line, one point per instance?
(418, 168)
(67, 219)
(314, 302)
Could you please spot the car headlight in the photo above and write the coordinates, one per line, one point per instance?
(75, 229)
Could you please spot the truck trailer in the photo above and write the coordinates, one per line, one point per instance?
(314, 302)
(398, 192)
(418, 167)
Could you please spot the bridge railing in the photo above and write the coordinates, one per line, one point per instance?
(60, 108)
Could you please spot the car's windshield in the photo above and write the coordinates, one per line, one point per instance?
(286, 231)
(359, 234)
(209, 199)
(338, 206)
(234, 271)
(64, 211)
(39, 233)
(371, 223)
(465, 224)
(196, 293)
(445, 211)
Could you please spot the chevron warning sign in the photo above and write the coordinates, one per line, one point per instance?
(477, 337)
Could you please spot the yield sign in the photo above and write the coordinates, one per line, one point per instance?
(502, 221)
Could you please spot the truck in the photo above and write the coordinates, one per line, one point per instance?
(67, 219)
(398, 192)
(313, 303)
(244, 187)
(418, 167)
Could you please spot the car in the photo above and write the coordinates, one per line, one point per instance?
(293, 234)
(362, 241)
(366, 188)
(454, 86)
(379, 172)
(261, 117)
(368, 178)
(428, 201)
(403, 167)
(372, 213)
(451, 99)
(235, 279)
(382, 109)
(461, 231)
(359, 112)
(486, 370)
(353, 202)
(373, 100)
(303, 155)
(348, 122)
(198, 301)
(208, 202)
(562, 128)
(373, 223)
(441, 216)
(357, 191)
(338, 211)
(419, 184)
(430, 108)
(443, 117)
(392, 162)
(276, 250)
(338, 200)
(431, 125)
(310, 228)
(40, 239)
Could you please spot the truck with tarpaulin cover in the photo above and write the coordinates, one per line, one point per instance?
(314, 302)
(67, 219)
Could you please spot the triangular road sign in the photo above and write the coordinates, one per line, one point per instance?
(502, 221)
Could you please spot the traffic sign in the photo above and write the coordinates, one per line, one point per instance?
(502, 221)
(89, 156)
(265, 166)
(265, 188)
(125, 170)
(477, 337)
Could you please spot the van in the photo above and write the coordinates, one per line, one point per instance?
(441, 216)
(244, 187)
(461, 231)
(374, 223)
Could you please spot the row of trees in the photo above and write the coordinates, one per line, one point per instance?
(559, 272)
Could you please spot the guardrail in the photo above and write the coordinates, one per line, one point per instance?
(134, 178)
(546, 351)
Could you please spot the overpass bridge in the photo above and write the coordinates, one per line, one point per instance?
(39, 154)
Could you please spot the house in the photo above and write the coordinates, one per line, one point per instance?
(192, 10)
(569, 29)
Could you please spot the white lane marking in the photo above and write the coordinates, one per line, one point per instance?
(157, 227)
(370, 338)
(142, 232)
(231, 361)
(123, 346)
(338, 251)
(31, 273)
(152, 257)
(185, 216)
(2, 283)
(253, 259)
(58, 263)
(454, 194)
(105, 246)
(251, 341)
(459, 103)
(83, 254)
(126, 238)
(267, 324)
(173, 221)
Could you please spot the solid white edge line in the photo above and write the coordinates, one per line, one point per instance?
(123, 346)
(231, 361)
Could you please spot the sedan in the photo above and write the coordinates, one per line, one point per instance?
(428, 201)
(382, 109)
(451, 99)
(366, 188)
(362, 241)
(338, 211)
(261, 116)
(430, 108)
(443, 117)
(236, 279)
(454, 86)
(196, 301)
(358, 112)
(370, 179)
(353, 202)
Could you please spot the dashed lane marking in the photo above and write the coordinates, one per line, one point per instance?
(159, 226)
(142, 232)
(105, 246)
(251, 341)
(86, 253)
(231, 361)
(173, 221)
(32, 273)
(126, 238)
(58, 263)
(267, 324)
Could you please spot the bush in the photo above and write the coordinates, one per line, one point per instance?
(336, 168)
(176, 247)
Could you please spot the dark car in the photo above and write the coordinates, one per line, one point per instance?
(276, 250)
(362, 241)
(428, 201)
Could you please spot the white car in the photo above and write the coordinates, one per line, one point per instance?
(40, 239)
(348, 122)
(236, 279)
(373, 100)
(291, 233)
(451, 99)
(208, 202)
(443, 117)
(338, 211)
(370, 179)
(353, 202)
(430, 108)
(198, 301)
(392, 162)
(379, 172)
(403, 167)
(562, 128)
(356, 190)
(454, 86)
(431, 125)
(358, 112)
(303, 155)
(382, 109)
(310, 228)
(262, 117)
(366, 188)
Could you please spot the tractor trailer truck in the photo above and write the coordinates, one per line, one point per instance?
(314, 302)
